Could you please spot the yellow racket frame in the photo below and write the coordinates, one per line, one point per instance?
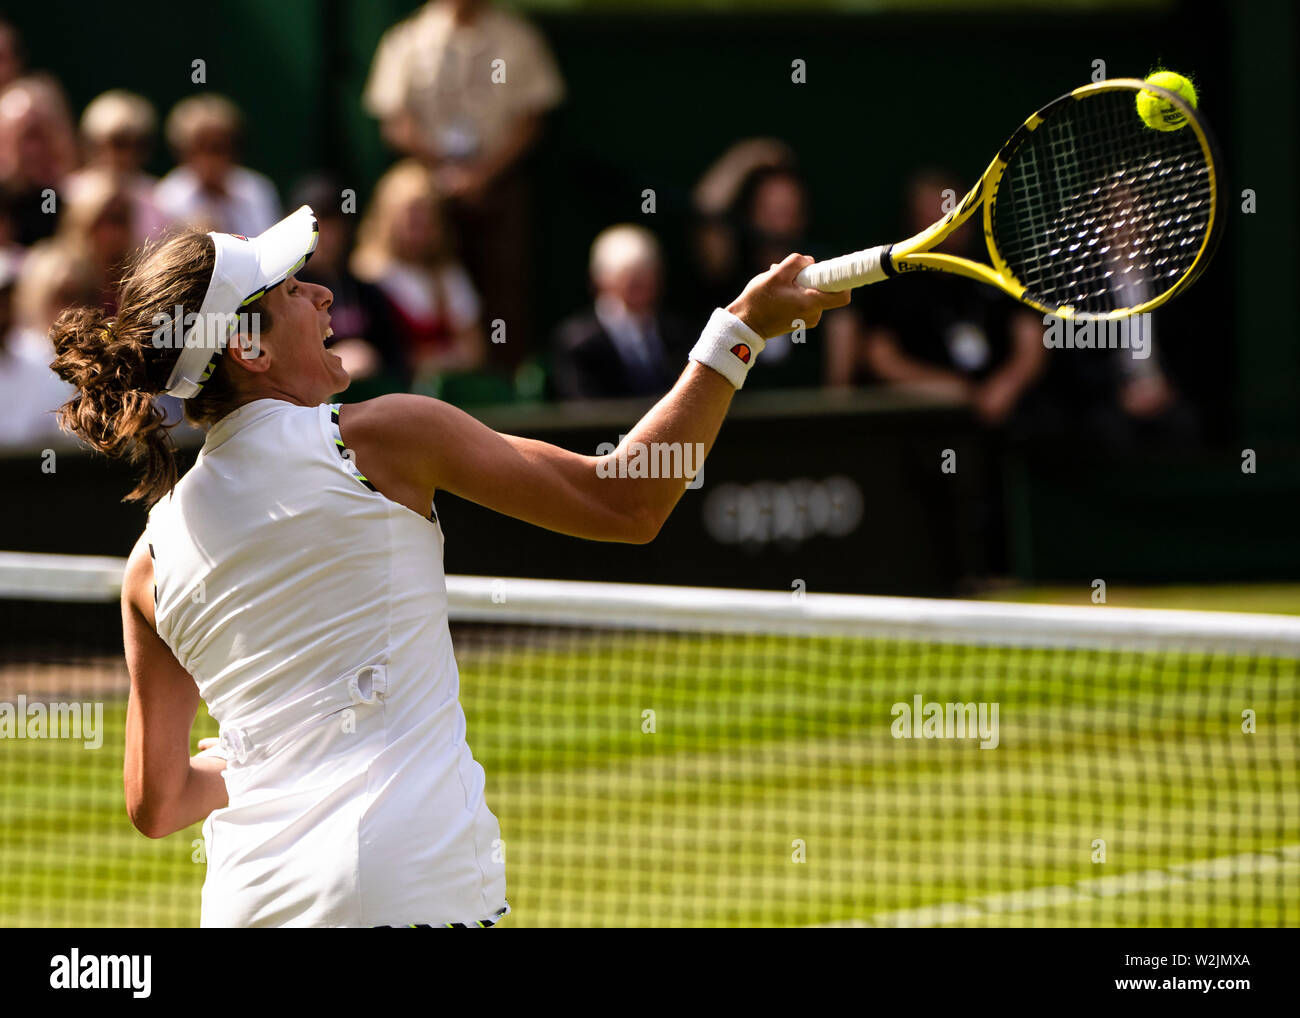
(915, 254)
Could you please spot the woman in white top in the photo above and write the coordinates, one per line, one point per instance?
(292, 579)
(117, 130)
(209, 188)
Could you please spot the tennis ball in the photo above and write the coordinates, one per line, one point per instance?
(1159, 113)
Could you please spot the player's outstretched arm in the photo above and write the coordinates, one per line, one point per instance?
(411, 446)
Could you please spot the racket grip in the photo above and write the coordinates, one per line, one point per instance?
(847, 271)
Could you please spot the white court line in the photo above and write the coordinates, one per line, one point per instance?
(1089, 890)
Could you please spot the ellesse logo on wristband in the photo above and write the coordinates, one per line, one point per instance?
(742, 351)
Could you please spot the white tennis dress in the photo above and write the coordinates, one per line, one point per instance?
(312, 612)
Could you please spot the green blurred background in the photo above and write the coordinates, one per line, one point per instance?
(657, 92)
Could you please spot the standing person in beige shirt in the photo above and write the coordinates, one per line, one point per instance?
(464, 87)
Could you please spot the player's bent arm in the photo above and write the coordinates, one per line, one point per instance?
(413, 446)
(166, 789)
(404, 441)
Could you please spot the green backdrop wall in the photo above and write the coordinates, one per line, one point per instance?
(654, 98)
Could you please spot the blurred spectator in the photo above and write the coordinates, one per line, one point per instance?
(753, 205)
(97, 226)
(1117, 401)
(959, 339)
(464, 86)
(944, 334)
(38, 150)
(1114, 403)
(52, 278)
(209, 190)
(403, 248)
(11, 54)
(624, 345)
(717, 198)
(30, 392)
(366, 333)
(117, 131)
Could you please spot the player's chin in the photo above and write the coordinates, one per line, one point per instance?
(337, 372)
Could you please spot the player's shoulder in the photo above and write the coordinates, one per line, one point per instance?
(137, 577)
(393, 417)
(404, 437)
(140, 555)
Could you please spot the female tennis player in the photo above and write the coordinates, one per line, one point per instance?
(293, 580)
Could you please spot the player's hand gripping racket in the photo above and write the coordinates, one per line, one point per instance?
(1087, 211)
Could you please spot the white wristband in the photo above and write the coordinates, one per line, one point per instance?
(728, 346)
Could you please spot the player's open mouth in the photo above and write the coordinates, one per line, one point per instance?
(329, 337)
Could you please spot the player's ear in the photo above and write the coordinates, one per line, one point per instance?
(245, 348)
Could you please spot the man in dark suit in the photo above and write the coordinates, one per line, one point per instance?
(623, 345)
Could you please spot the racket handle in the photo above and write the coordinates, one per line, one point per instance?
(847, 271)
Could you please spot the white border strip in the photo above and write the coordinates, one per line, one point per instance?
(723, 610)
(716, 609)
(61, 577)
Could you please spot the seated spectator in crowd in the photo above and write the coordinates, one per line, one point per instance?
(97, 226)
(963, 341)
(464, 87)
(366, 334)
(1110, 403)
(624, 345)
(209, 189)
(50, 280)
(38, 149)
(52, 277)
(404, 249)
(943, 334)
(117, 130)
(716, 199)
(754, 209)
(1115, 401)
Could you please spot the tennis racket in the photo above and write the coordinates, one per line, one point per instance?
(1087, 211)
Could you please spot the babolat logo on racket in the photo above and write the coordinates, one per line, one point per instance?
(742, 351)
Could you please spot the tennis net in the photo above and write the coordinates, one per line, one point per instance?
(684, 756)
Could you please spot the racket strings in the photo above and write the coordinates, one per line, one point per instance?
(1099, 212)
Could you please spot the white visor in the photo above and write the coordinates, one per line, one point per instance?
(246, 267)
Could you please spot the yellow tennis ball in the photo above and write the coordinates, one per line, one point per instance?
(1160, 113)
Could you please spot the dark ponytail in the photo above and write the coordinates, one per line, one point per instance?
(113, 410)
(118, 368)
